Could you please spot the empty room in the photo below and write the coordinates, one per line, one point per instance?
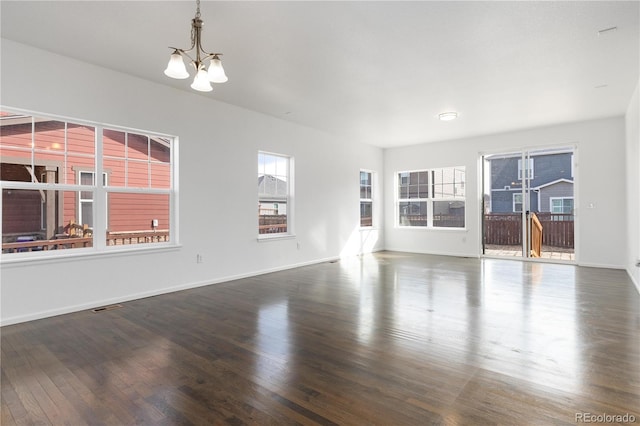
(320, 212)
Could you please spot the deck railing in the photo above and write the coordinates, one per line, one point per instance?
(40, 245)
(144, 237)
(536, 236)
(506, 229)
(66, 242)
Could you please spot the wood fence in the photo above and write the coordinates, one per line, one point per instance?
(448, 220)
(439, 220)
(272, 224)
(506, 229)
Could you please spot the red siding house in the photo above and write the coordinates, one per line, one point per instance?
(49, 151)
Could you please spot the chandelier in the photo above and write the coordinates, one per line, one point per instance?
(204, 77)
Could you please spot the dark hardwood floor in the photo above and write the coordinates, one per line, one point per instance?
(387, 339)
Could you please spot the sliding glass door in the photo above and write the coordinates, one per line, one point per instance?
(528, 204)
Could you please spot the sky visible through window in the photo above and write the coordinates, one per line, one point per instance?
(272, 165)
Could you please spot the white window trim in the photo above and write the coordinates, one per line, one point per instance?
(289, 200)
(530, 173)
(43, 214)
(91, 188)
(429, 200)
(572, 164)
(99, 247)
(367, 200)
(552, 199)
(413, 200)
(513, 202)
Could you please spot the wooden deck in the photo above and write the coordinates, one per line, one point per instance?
(387, 339)
(548, 252)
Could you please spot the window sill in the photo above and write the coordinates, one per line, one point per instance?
(49, 257)
(275, 237)
(431, 228)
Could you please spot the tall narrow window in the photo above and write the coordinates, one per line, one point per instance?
(274, 192)
(366, 199)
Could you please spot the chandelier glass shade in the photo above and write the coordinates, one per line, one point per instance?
(204, 77)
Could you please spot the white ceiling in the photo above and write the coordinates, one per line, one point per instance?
(373, 72)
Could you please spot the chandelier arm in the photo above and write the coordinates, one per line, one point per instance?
(183, 52)
(208, 55)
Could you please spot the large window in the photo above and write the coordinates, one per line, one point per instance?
(432, 198)
(52, 200)
(274, 194)
(366, 199)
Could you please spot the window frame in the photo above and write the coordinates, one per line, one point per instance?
(530, 173)
(430, 199)
(100, 191)
(514, 202)
(365, 200)
(43, 206)
(287, 200)
(409, 199)
(105, 180)
(552, 199)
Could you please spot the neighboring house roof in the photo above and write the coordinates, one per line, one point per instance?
(553, 183)
(272, 186)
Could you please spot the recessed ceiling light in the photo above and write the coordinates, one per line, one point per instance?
(601, 86)
(448, 116)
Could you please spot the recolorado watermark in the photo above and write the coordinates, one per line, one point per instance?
(605, 418)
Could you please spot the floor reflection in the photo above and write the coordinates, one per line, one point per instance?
(388, 338)
(272, 343)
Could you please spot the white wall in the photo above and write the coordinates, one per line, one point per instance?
(218, 193)
(632, 120)
(601, 231)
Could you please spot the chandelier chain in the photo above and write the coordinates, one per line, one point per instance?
(193, 29)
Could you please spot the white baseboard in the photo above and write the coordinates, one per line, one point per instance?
(435, 253)
(600, 265)
(127, 298)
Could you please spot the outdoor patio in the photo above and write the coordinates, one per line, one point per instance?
(548, 252)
